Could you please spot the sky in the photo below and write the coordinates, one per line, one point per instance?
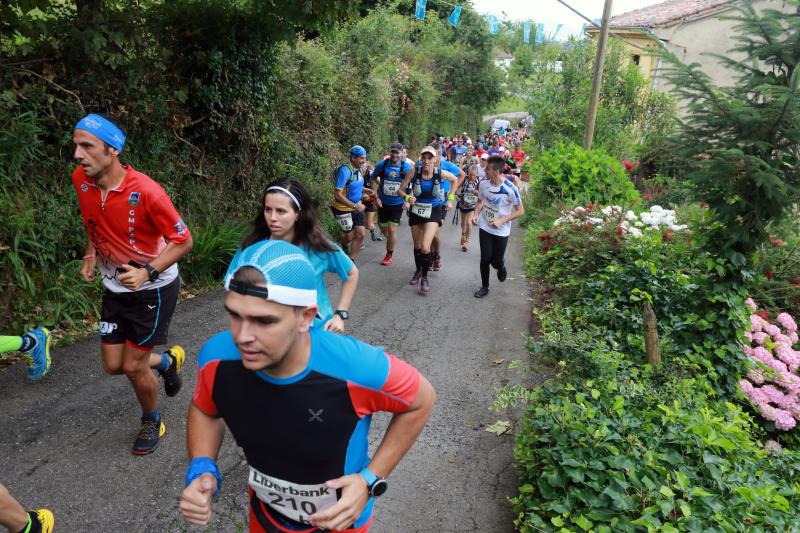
(551, 13)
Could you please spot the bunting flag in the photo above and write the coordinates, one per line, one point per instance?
(558, 28)
(494, 26)
(454, 16)
(526, 32)
(540, 33)
(420, 12)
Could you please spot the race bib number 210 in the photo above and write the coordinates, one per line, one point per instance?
(293, 501)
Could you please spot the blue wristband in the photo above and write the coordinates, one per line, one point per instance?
(203, 465)
(369, 476)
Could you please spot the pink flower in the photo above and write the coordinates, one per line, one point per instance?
(786, 320)
(756, 323)
(760, 337)
(772, 330)
(748, 336)
(780, 338)
(794, 337)
(751, 304)
(756, 375)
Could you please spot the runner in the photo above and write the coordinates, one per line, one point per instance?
(369, 197)
(35, 345)
(519, 158)
(127, 216)
(454, 169)
(498, 204)
(425, 213)
(467, 199)
(287, 213)
(389, 174)
(347, 206)
(298, 401)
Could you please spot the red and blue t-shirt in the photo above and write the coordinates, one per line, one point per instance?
(312, 427)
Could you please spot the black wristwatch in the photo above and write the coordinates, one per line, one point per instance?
(152, 273)
(343, 313)
(375, 485)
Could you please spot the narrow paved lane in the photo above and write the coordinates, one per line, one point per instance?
(65, 442)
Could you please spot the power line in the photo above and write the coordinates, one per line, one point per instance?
(593, 23)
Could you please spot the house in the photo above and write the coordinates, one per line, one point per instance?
(690, 29)
(503, 59)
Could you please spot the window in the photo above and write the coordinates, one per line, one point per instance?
(636, 59)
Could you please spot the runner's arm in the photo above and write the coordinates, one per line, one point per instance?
(453, 179)
(87, 268)
(133, 278)
(204, 436)
(341, 197)
(401, 434)
(406, 181)
(336, 324)
(517, 212)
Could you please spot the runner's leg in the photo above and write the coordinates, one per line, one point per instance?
(13, 516)
(429, 230)
(358, 239)
(136, 363)
(487, 252)
(498, 255)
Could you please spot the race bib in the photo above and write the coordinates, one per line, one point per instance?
(391, 188)
(422, 210)
(470, 199)
(293, 501)
(490, 213)
(345, 221)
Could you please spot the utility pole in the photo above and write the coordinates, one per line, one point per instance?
(597, 78)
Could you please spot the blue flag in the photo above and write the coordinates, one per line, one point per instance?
(526, 32)
(421, 9)
(540, 33)
(494, 26)
(558, 28)
(454, 16)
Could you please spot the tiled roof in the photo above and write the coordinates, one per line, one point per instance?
(665, 12)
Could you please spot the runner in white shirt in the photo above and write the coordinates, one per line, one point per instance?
(498, 204)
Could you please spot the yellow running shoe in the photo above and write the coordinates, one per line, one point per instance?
(172, 378)
(46, 519)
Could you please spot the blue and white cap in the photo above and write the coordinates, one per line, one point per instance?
(288, 272)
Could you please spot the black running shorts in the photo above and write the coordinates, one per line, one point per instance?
(390, 214)
(140, 318)
(436, 216)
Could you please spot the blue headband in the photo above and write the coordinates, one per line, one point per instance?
(103, 129)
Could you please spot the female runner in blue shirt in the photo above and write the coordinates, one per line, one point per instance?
(287, 213)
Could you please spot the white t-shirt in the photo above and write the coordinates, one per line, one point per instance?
(498, 202)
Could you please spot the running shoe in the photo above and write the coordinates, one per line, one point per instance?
(147, 440)
(372, 235)
(38, 357)
(379, 236)
(387, 260)
(502, 273)
(415, 278)
(464, 247)
(483, 291)
(45, 518)
(437, 263)
(424, 286)
(363, 245)
(172, 378)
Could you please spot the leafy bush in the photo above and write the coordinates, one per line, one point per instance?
(213, 249)
(629, 452)
(568, 173)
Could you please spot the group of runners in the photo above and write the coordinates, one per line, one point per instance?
(296, 394)
(480, 185)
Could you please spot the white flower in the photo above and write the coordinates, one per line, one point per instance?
(580, 210)
(656, 209)
(595, 221)
(639, 224)
(635, 232)
(630, 215)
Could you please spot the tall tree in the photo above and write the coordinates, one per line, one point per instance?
(743, 142)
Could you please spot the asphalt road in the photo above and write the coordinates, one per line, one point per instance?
(66, 441)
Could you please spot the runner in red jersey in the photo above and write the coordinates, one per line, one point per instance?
(127, 216)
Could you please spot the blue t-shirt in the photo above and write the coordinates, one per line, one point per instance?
(336, 262)
(392, 174)
(426, 186)
(356, 186)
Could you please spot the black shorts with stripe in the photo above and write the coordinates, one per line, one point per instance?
(140, 318)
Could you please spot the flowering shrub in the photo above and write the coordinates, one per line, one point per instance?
(626, 223)
(773, 384)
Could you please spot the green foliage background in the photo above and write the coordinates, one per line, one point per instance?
(218, 98)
